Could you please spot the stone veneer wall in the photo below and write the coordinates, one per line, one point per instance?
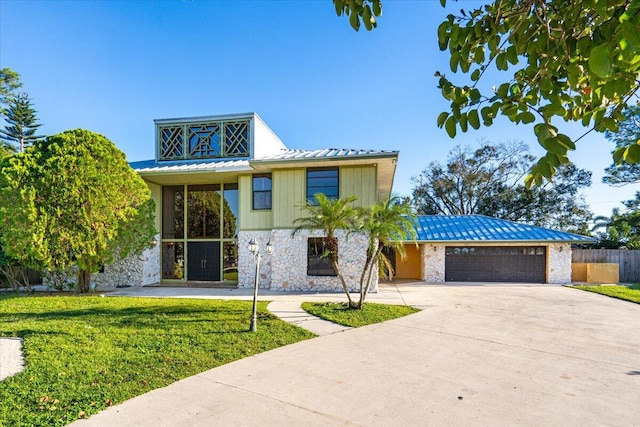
(432, 257)
(558, 261)
(286, 268)
(134, 270)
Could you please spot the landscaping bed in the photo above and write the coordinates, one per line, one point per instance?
(370, 313)
(85, 353)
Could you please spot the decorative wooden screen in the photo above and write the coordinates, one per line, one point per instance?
(171, 142)
(204, 140)
(236, 139)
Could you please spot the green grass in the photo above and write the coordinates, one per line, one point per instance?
(370, 313)
(84, 354)
(627, 293)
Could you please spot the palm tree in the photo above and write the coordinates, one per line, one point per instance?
(387, 224)
(330, 216)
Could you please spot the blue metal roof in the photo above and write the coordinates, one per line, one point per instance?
(480, 228)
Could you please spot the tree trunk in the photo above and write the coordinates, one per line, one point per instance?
(363, 293)
(342, 282)
(84, 281)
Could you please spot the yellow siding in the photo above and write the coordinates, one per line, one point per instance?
(156, 195)
(288, 194)
(360, 182)
(250, 219)
(410, 267)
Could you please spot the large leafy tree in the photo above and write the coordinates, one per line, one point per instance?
(628, 133)
(567, 61)
(21, 127)
(73, 201)
(488, 181)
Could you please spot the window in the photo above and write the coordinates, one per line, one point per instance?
(262, 192)
(322, 180)
(209, 140)
(317, 264)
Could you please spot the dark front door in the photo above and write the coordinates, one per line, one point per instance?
(496, 264)
(203, 261)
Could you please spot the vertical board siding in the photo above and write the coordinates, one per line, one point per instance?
(156, 195)
(360, 182)
(288, 194)
(250, 219)
(628, 260)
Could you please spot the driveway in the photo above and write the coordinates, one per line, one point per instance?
(476, 355)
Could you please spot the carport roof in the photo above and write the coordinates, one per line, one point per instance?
(480, 228)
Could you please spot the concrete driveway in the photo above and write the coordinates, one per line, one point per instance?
(476, 355)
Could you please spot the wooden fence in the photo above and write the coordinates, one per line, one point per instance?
(629, 261)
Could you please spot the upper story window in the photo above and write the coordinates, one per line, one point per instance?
(322, 180)
(210, 140)
(262, 191)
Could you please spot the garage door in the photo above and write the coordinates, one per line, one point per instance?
(495, 264)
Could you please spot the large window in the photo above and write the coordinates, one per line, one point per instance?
(199, 231)
(318, 264)
(322, 180)
(262, 192)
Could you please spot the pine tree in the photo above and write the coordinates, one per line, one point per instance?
(21, 126)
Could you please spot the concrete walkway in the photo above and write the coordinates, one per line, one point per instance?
(291, 312)
(476, 355)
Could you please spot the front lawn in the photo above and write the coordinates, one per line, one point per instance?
(84, 354)
(370, 313)
(627, 293)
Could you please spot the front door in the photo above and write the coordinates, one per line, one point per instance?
(203, 261)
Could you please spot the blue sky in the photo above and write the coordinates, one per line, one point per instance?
(114, 66)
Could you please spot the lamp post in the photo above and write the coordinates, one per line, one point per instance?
(255, 250)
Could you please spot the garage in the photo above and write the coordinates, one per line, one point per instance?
(519, 264)
(477, 248)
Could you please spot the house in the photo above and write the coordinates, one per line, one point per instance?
(220, 181)
(476, 248)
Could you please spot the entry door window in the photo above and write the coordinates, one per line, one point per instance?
(203, 211)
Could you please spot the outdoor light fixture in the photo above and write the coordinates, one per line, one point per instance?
(255, 250)
(154, 242)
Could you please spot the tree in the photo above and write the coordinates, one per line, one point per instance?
(388, 224)
(628, 133)
(580, 63)
(329, 216)
(622, 229)
(487, 181)
(21, 123)
(73, 201)
(9, 83)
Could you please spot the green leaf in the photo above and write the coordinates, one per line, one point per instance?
(475, 75)
(441, 118)
(450, 127)
(474, 120)
(552, 145)
(544, 131)
(377, 8)
(618, 155)
(566, 141)
(501, 61)
(454, 60)
(632, 154)
(443, 3)
(463, 123)
(527, 117)
(512, 55)
(600, 61)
